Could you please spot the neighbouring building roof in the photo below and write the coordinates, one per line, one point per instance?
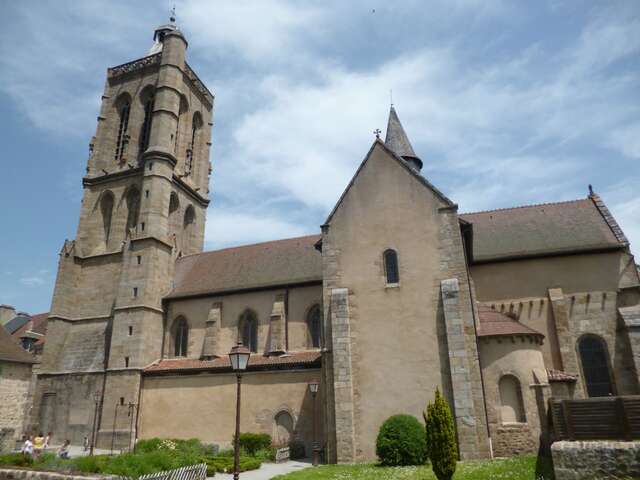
(17, 323)
(10, 351)
(560, 376)
(222, 364)
(269, 264)
(550, 228)
(496, 324)
(36, 328)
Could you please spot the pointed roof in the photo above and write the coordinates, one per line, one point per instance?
(398, 141)
(404, 164)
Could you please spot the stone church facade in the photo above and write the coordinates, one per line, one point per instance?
(397, 295)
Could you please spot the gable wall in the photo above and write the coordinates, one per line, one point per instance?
(397, 338)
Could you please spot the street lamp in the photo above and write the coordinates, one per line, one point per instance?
(239, 357)
(313, 388)
(96, 397)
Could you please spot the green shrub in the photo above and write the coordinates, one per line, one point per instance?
(441, 438)
(225, 464)
(90, 464)
(401, 441)
(148, 445)
(296, 450)
(252, 442)
(266, 454)
(15, 460)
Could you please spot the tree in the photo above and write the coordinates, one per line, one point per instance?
(441, 438)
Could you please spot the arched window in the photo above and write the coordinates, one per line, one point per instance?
(391, 266)
(314, 325)
(511, 405)
(283, 428)
(133, 207)
(124, 107)
(184, 107)
(196, 124)
(595, 366)
(106, 209)
(147, 99)
(180, 337)
(248, 330)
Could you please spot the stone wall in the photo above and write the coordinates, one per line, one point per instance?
(9, 474)
(596, 459)
(15, 382)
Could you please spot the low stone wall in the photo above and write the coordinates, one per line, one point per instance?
(510, 440)
(605, 459)
(15, 474)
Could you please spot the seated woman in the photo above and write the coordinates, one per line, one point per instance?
(63, 451)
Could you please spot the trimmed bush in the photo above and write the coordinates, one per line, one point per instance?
(225, 464)
(16, 459)
(441, 438)
(252, 442)
(401, 441)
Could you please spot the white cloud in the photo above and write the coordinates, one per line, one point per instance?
(33, 280)
(627, 140)
(225, 228)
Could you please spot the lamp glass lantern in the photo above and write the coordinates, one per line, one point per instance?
(313, 387)
(239, 357)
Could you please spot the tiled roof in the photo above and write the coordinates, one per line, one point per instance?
(560, 376)
(280, 262)
(496, 324)
(222, 364)
(551, 228)
(10, 351)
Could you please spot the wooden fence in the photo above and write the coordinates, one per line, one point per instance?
(600, 418)
(193, 472)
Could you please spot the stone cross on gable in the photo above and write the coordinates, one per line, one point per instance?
(377, 132)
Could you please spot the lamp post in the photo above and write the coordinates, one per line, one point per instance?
(239, 357)
(96, 398)
(313, 388)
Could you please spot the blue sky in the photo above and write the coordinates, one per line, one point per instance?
(507, 103)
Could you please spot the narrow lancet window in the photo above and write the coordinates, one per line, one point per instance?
(148, 102)
(122, 139)
(181, 337)
(314, 325)
(391, 267)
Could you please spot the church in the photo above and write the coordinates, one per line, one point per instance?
(396, 295)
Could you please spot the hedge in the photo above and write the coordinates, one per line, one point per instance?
(401, 441)
(252, 442)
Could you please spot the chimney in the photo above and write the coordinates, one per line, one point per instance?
(7, 313)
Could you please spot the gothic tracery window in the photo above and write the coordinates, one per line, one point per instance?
(391, 266)
(314, 325)
(181, 337)
(196, 124)
(124, 107)
(595, 366)
(147, 102)
(248, 330)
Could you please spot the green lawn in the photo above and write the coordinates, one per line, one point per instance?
(518, 468)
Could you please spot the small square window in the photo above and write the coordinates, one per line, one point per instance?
(135, 291)
(130, 330)
(142, 226)
(126, 362)
(146, 194)
(121, 400)
(139, 259)
(150, 165)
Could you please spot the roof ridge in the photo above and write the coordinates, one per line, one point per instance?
(544, 204)
(237, 247)
(608, 218)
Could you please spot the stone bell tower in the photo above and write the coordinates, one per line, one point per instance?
(144, 203)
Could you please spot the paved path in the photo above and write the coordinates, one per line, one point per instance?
(267, 471)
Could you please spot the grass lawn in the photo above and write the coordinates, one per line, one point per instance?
(518, 468)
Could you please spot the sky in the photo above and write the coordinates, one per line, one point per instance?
(506, 102)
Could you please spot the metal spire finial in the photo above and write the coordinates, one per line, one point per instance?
(391, 96)
(172, 18)
(377, 132)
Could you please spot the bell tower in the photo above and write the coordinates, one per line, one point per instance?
(145, 195)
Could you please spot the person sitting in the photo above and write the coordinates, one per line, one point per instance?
(27, 447)
(63, 451)
(38, 445)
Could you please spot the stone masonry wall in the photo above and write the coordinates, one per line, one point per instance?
(596, 459)
(15, 381)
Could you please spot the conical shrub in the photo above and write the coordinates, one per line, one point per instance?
(441, 438)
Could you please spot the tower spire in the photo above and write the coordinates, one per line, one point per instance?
(398, 141)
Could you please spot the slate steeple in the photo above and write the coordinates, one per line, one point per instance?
(398, 141)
